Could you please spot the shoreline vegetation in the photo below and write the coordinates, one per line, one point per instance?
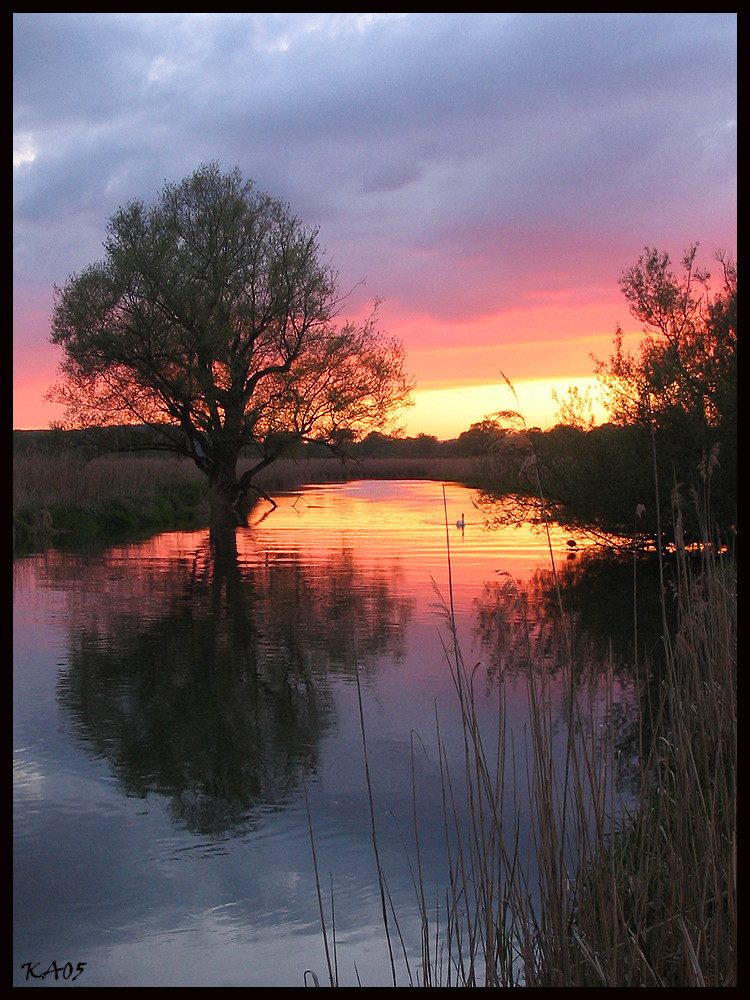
(63, 500)
(638, 896)
(648, 901)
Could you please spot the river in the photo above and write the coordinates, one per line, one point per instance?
(186, 731)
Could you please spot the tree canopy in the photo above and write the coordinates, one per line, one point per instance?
(668, 456)
(213, 318)
(687, 361)
(682, 383)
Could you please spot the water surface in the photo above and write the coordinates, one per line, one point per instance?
(175, 716)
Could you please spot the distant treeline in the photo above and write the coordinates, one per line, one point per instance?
(134, 440)
(600, 479)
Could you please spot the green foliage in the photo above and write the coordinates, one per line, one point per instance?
(211, 321)
(482, 438)
(591, 481)
(575, 409)
(682, 383)
(171, 505)
(598, 477)
(674, 413)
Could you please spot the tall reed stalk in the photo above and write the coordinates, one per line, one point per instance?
(611, 897)
(605, 893)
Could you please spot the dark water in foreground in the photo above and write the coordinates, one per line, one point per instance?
(172, 716)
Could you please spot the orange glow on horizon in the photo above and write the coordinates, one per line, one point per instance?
(30, 410)
(446, 412)
(442, 412)
(458, 367)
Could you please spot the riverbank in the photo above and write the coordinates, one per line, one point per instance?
(61, 500)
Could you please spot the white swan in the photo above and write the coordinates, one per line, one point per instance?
(460, 522)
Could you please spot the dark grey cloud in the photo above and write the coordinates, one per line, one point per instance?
(454, 160)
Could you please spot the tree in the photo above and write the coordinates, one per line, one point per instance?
(482, 438)
(575, 409)
(212, 318)
(687, 359)
(682, 383)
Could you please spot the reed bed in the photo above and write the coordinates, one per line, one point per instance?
(61, 499)
(610, 892)
(64, 497)
(63, 478)
(45, 480)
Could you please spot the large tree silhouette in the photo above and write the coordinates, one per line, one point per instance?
(213, 319)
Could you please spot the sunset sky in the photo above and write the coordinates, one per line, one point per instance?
(486, 177)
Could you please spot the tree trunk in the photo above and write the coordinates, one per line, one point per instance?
(231, 499)
(226, 498)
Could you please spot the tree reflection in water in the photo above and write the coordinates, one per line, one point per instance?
(202, 679)
(581, 615)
